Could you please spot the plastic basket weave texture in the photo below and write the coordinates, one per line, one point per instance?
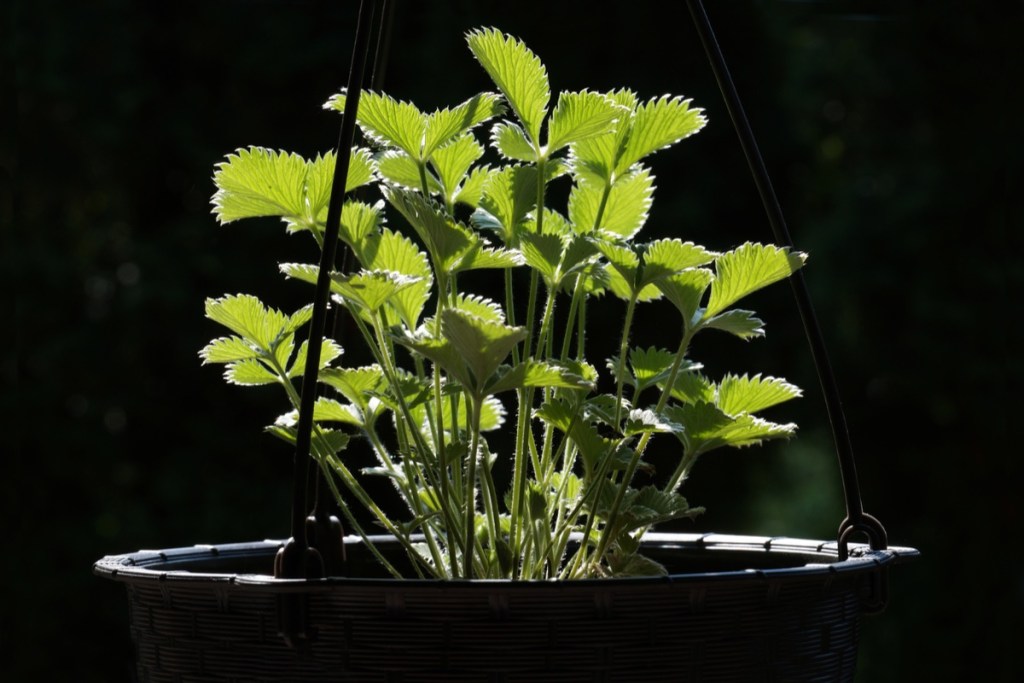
(795, 619)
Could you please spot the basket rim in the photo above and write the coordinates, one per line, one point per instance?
(148, 566)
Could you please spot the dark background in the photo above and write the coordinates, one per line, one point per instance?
(893, 133)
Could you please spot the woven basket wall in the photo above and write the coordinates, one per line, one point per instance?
(794, 619)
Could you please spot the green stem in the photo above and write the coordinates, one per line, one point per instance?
(623, 348)
(470, 497)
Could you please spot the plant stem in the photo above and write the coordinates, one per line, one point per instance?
(623, 349)
(470, 498)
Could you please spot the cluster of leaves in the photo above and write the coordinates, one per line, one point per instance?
(574, 507)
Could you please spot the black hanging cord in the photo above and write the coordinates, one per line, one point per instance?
(857, 521)
(298, 559)
(322, 528)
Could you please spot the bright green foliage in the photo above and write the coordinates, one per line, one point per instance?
(748, 268)
(446, 360)
(260, 182)
(517, 72)
(581, 116)
(624, 209)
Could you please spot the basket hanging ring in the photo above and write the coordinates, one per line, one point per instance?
(865, 524)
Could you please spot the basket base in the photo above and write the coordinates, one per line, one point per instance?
(738, 609)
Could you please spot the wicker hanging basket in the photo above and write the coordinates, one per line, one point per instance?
(733, 608)
(737, 608)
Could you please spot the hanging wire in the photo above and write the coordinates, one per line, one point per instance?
(856, 521)
(298, 559)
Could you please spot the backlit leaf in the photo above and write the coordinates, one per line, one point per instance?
(686, 290)
(483, 345)
(228, 349)
(320, 178)
(517, 72)
(446, 241)
(249, 373)
(666, 257)
(743, 324)
(657, 124)
(445, 125)
(259, 182)
(371, 289)
(508, 196)
(355, 384)
(453, 161)
(512, 143)
(329, 350)
(580, 116)
(625, 210)
(472, 188)
(747, 269)
(387, 121)
(246, 316)
(401, 169)
(750, 394)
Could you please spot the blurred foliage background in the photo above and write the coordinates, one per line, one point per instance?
(892, 130)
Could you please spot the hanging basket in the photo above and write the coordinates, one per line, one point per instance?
(735, 608)
(732, 608)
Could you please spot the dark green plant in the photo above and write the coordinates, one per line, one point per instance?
(448, 360)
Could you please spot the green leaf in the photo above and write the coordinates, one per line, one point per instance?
(667, 257)
(640, 421)
(741, 323)
(536, 374)
(657, 124)
(401, 169)
(579, 116)
(387, 121)
(358, 221)
(480, 257)
(249, 373)
(306, 272)
(558, 414)
(445, 125)
(355, 384)
(652, 366)
(747, 269)
(543, 253)
(259, 182)
(481, 307)
(326, 442)
(453, 161)
(439, 351)
(623, 271)
(511, 142)
(245, 315)
(750, 394)
(707, 427)
(228, 349)
(329, 350)
(635, 565)
(691, 386)
(492, 414)
(446, 241)
(625, 211)
(472, 188)
(325, 410)
(686, 290)
(395, 252)
(482, 344)
(517, 72)
(509, 194)
(650, 506)
(371, 289)
(320, 178)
